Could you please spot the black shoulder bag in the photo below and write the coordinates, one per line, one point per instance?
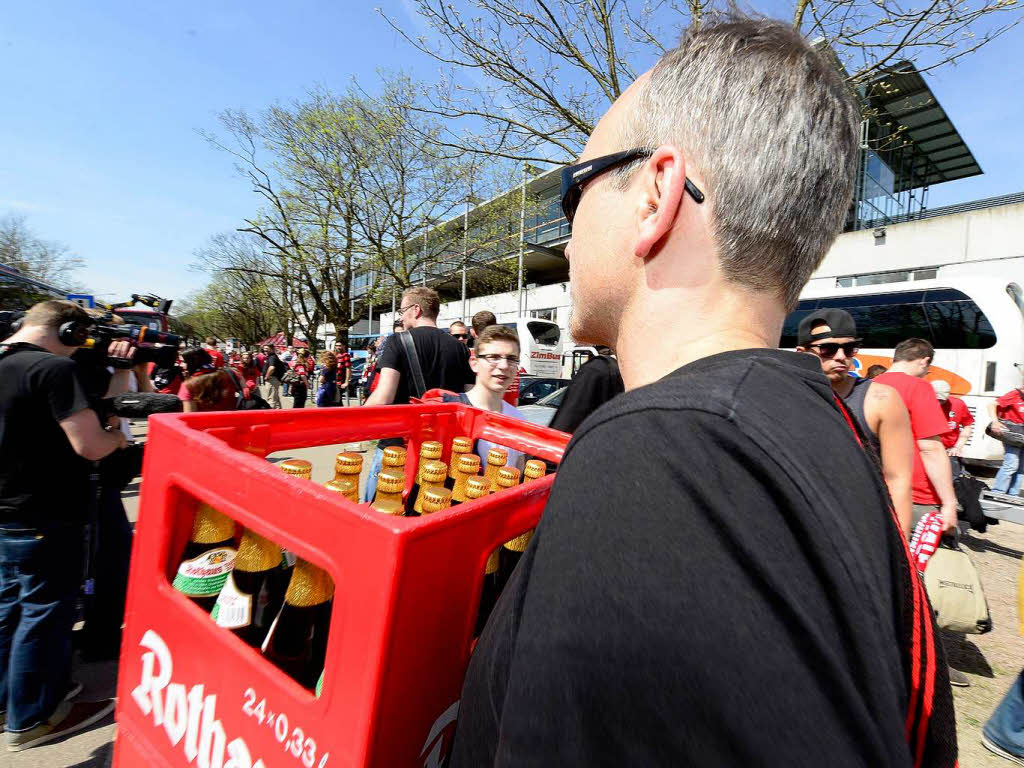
(418, 385)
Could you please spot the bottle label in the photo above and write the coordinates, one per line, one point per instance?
(233, 609)
(205, 575)
(287, 558)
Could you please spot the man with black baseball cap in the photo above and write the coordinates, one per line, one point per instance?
(831, 334)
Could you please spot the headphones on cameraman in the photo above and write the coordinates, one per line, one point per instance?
(74, 333)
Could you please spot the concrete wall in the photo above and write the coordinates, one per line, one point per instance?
(989, 233)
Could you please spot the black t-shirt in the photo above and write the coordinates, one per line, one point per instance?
(594, 384)
(42, 479)
(717, 580)
(443, 360)
(278, 365)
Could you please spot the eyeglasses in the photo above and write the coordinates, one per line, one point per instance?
(829, 349)
(575, 176)
(403, 310)
(495, 359)
(461, 335)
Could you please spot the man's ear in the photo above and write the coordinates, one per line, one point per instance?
(660, 186)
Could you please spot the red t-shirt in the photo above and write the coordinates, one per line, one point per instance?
(215, 357)
(957, 417)
(926, 420)
(1010, 407)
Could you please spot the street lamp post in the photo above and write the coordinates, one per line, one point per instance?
(522, 238)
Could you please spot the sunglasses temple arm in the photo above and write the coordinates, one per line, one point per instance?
(696, 194)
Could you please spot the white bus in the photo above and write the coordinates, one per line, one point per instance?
(972, 313)
(540, 346)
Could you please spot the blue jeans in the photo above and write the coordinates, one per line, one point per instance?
(1008, 479)
(40, 574)
(1006, 725)
(371, 480)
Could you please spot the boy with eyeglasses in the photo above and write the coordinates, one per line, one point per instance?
(831, 335)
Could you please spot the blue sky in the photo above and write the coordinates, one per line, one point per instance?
(101, 103)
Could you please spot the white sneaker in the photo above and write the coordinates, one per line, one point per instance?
(68, 719)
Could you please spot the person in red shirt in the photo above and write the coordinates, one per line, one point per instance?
(1007, 414)
(248, 373)
(958, 419)
(215, 356)
(341, 354)
(933, 479)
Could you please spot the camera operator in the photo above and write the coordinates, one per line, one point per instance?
(49, 435)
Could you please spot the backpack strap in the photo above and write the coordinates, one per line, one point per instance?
(923, 659)
(419, 386)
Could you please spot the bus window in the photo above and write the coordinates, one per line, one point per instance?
(544, 333)
(948, 318)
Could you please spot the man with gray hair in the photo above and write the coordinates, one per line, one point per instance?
(718, 578)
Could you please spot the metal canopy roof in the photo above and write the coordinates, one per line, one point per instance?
(902, 96)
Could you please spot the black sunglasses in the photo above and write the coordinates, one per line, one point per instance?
(829, 348)
(461, 335)
(575, 176)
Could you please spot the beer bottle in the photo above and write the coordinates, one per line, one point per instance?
(429, 451)
(297, 468)
(478, 487)
(349, 465)
(468, 466)
(436, 499)
(250, 599)
(297, 640)
(512, 550)
(460, 447)
(432, 476)
(393, 459)
(388, 506)
(389, 487)
(535, 469)
(208, 557)
(496, 459)
(346, 486)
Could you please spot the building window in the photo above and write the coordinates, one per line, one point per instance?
(543, 314)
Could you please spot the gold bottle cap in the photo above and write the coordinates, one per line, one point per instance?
(469, 464)
(462, 445)
(343, 485)
(348, 463)
(211, 526)
(390, 481)
(477, 487)
(434, 472)
(256, 553)
(394, 456)
(497, 456)
(388, 507)
(436, 499)
(535, 469)
(431, 449)
(297, 467)
(308, 585)
(508, 477)
(492, 562)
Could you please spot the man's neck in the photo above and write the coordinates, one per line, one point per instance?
(900, 367)
(656, 338)
(40, 337)
(843, 385)
(425, 322)
(485, 399)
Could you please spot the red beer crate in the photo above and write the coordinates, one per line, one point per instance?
(406, 595)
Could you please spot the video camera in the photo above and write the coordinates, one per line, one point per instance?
(150, 346)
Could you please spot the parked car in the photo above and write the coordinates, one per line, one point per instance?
(357, 372)
(543, 411)
(535, 388)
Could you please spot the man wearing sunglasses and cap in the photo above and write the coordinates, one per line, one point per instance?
(717, 578)
(831, 335)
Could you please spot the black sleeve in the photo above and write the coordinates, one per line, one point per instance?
(56, 379)
(597, 382)
(392, 355)
(664, 615)
(467, 373)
